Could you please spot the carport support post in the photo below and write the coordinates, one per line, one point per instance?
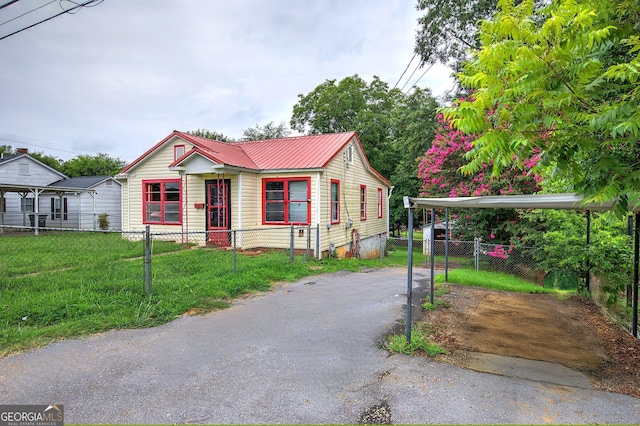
(432, 246)
(588, 262)
(409, 272)
(446, 246)
(636, 255)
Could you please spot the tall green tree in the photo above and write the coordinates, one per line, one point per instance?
(268, 131)
(394, 129)
(93, 165)
(449, 28)
(351, 104)
(413, 126)
(563, 81)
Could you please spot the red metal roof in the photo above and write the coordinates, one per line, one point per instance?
(293, 153)
(301, 152)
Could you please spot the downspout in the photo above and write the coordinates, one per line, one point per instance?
(389, 210)
(239, 201)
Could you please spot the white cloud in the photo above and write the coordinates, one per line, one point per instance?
(119, 77)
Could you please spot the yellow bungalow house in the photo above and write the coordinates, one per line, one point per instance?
(186, 184)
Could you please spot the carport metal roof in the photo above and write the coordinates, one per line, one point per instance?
(567, 201)
(533, 201)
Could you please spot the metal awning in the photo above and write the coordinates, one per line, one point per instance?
(532, 201)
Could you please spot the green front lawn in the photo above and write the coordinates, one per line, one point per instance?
(57, 286)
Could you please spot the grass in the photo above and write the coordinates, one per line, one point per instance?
(494, 281)
(64, 285)
(419, 342)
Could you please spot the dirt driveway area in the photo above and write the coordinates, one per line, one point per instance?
(570, 331)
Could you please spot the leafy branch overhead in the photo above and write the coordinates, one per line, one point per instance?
(562, 81)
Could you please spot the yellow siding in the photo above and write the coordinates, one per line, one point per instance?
(246, 213)
(351, 176)
(156, 166)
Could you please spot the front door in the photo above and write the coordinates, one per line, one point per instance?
(218, 212)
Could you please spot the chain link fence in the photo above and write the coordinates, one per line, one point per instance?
(59, 248)
(519, 261)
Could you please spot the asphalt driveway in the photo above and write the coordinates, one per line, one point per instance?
(307, 352)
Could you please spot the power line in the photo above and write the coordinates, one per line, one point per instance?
(26, 13)
(24, 140)
(419, 78)
(9, 3)
(409, 79)
(405, 70)
(77, 6)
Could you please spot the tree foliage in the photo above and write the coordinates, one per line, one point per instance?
(93, 165)
(268, 131)
(439, 170)
(211, 134)
(448, 28)
(563, 81)
(394, 129)
(351, 104)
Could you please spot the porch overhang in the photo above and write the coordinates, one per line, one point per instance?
(211, 169)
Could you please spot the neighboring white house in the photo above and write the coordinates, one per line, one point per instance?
(30, 189)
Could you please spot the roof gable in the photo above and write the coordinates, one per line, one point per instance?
(292, 153)
(6, 159)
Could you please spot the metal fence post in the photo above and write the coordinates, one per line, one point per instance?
(291, 245)
(317, 250)
(147, 259)
(476, 253)
(382, 245)
(308, 242)
(235, 251)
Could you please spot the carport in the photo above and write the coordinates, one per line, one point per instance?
(534, 201)
(37, 191)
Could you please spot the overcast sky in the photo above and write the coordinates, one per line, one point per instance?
(120, 76)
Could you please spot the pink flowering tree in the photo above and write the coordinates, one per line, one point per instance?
(439, 171)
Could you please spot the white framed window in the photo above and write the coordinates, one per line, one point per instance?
(27, 205)
(350, 154)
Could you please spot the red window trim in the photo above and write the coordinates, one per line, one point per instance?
(380, 208)
(175, 151)
(286, 200)
(337, 182)
(162, 182)
(363, 202)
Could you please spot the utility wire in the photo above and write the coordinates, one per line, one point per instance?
(8, 4)
(77, 5)
(26, 13)
(409, 79)
(18, 140)
(419, 78)
(405, 70)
